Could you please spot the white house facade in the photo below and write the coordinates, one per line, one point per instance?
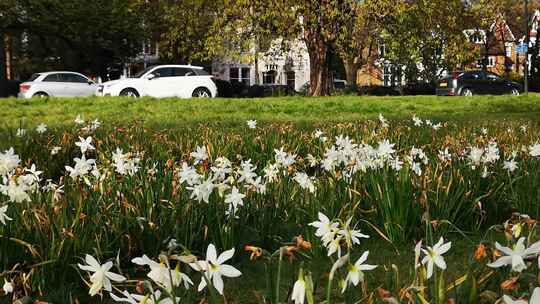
(273, 67)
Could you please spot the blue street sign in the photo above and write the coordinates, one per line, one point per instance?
(522, 48)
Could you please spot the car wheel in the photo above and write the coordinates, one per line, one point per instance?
(40, 95)
(515, 92)
(129, 93)
(466, 92)
(201, 93)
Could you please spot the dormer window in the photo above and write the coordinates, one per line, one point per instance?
(475, 36)
(382, 50)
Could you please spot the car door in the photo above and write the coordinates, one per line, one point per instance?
(495, 85)
(185, 81)
(53, 85)
(78, 85)
(162, 84)
(480, 84)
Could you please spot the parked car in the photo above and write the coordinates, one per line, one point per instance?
(340, 84)
(476, 83)
(163, 81)
(60, 84)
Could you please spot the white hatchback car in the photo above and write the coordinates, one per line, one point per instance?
(184, 81)
(58, 84)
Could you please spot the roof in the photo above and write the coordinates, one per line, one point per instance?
(56, 72)
(177, 66)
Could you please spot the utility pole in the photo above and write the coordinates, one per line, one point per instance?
(527, 38)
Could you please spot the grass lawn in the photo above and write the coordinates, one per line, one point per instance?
(101, 208)
(167, 112)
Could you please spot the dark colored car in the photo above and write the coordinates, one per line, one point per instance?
(476, 83)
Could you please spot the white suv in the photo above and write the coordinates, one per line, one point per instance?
(61, 84)
(184, 81)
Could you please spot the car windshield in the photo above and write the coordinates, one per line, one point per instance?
(141, 73)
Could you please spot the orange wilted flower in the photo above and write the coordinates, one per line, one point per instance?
(255, 251)
(300, 243)
(509, 284)
(289, 252)
(480, 252)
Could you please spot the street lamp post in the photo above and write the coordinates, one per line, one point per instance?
(527, 38)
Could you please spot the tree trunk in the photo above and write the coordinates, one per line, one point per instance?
(2, 59)
(318, 65)
(7, 48)
(351, 71)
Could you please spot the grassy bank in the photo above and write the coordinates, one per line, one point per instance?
(169, 112)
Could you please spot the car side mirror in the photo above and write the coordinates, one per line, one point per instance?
(90, 82)
(151, 76)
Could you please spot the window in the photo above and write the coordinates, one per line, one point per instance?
(508, 50)
(387, 76)
(269, 77)
(492, 60)
(73, 78)
(471, 76)
(141, 73)
(51, 78)
(239, 75)
(200, 72)
(33, 77)
(493, 77)
(163, 72)
(291, 80)
(178, 72)
(476, 36)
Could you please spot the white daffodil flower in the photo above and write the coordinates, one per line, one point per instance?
(146, 299)
(20, 132)
(79, 120)
(41, 128)
(356, 273)
(3, 215)
(534, 150)
(516, 256)
(417, 250)
(162, 275)
(199, 155)
(101, 277)
(213, 268)
(326, 230)
(351, 236)
(234, 199)
(434, 256)
(305, 181)
(385, 149)
(510, 165)
(8, 161)
(252, 124)
(298, 295)
(85, 144)
(535, 298)
(7, 287)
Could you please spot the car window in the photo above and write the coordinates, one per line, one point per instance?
(51, 78)
(202, 72)
(471, 75)
(73, 78)
(33, 77)
(183, 72)
(491, 76)
(163, 72)
(141, 73)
